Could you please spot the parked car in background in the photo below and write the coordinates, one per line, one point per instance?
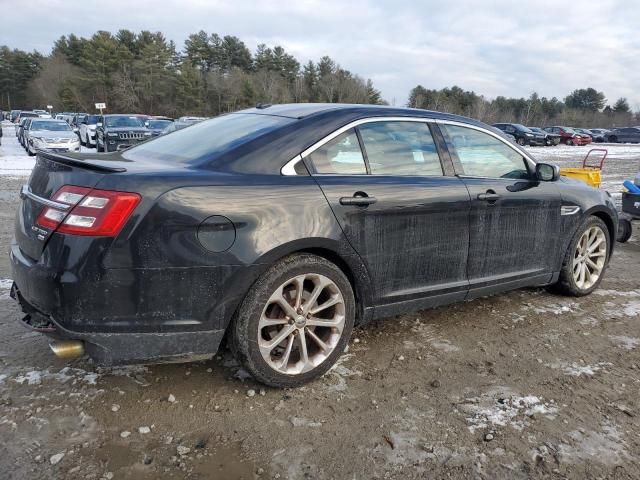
(585, 134)
(157, 124)
(24, 114)
(550, 139)
(24, 123)
(522, 134)
(77, 118)
(623, 135)
(116, 132)
(87, 130)
(284, 234)
(14, 115)
(50, 135)
(567, 135)
(182, 122)
(584, 131)
(598, 134)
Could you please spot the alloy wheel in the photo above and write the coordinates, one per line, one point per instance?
(301, 324)
(589, 257)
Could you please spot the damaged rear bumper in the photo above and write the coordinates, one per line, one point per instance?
(49, 299)
(125, 348)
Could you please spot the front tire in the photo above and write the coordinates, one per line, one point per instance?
(613, 139)
(568, 141)
(586, 259)
(520, 141)
(294, 322)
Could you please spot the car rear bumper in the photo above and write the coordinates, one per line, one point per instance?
(156, 322)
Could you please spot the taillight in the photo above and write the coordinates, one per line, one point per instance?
(90, 212)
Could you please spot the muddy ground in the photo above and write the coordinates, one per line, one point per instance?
(522, 385)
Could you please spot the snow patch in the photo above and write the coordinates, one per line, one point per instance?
(628, 343)
(632, 309)
(340, 372)
(606, 447)
(494, 410)
(5, 288)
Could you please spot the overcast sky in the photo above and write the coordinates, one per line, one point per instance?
(500, 47)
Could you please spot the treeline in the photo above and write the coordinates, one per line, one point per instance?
(143, 72)
(581, 108)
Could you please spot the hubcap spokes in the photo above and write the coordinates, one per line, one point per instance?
(589, 258)
(301, 324)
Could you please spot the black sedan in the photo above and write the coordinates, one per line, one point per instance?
(279, 228)
(523, 135)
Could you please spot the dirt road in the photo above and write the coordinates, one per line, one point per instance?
(521, 385)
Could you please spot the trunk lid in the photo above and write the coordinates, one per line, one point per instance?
(50, 173)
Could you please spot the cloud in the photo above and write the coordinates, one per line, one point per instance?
(495, 48)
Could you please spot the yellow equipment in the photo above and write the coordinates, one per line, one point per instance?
(589, 174)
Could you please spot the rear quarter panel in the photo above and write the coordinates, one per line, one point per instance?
(273, 216)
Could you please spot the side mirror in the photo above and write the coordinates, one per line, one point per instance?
(146, 124)
(546, 172)
(99, 124)
(75, 130)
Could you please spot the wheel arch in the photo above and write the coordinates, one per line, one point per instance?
(608, 221)
(332, 250)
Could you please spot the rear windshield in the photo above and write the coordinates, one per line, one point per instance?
(28, 114)
(207, 138)
(159, 123)
(124, 121)
(53, 126)
(92, 119)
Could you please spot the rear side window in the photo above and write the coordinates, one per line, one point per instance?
(483, 155)
(340, 155)
(400, 148)
(204, 139)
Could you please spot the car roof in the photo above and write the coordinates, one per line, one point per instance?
(305, 110)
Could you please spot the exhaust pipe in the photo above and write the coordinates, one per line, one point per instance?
(67, 349)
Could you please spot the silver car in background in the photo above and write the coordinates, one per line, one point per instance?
(51, 135)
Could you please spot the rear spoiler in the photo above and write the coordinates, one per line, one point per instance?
(89, 163)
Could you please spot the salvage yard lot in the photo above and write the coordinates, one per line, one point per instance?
(521, 385)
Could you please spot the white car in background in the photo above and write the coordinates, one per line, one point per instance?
(87, 130)
(51, 135)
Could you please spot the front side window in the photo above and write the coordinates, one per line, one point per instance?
(482, 155)
(340, 155)
(400, 148)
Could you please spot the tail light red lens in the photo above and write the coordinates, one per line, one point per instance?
(100, 213)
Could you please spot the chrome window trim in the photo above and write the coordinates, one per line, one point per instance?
(531, 161)
(289, 167)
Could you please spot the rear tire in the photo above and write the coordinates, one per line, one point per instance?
(625, 230)
(520, 141)
(613, 139)
(586, 257)
(311, 338)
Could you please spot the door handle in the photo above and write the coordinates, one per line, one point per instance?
(490, 196)
(358, 200)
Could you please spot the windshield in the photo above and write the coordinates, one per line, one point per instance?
(568, 130)
(123, 121)
(53, 126)
(207, 138)
(159, 123)
(522, 128)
